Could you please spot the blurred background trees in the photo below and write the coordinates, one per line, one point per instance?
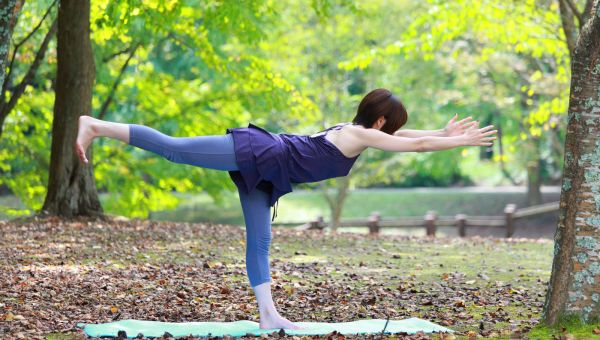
(195, 68)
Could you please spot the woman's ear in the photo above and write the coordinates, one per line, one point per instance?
(381, 121)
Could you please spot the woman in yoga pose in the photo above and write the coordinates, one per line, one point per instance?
(263, 165)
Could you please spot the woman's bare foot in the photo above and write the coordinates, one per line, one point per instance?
(85, 135)
(277, 322)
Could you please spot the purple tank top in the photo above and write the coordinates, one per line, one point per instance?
(272, 162)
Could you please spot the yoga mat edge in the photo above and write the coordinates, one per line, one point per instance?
(243, 327)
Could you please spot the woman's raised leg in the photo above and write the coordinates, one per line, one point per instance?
(213, 152)
(256, 209)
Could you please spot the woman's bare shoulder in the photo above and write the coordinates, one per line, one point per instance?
(356, 130)
(351, 138)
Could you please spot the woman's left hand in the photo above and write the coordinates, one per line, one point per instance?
(454, 128)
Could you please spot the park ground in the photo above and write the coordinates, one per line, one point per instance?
(57, 273)
(302, 205)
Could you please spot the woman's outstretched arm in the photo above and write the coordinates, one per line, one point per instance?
(419, 133)
(452, 128)
(473, 136)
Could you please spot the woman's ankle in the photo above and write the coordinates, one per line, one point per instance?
(268, 312)
(92, 124)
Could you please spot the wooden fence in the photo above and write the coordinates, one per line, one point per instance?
(431, 220)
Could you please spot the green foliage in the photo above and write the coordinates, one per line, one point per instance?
(196, 68)
(25, 151)
(189, 79)
(190, 73)
(318, 46)
(508, 58)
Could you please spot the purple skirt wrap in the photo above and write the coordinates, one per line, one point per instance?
(272, 162)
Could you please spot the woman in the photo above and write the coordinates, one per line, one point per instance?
(263, 165)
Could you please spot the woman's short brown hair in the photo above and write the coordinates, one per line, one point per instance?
(377, 103)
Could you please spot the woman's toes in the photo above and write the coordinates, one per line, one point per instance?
(80, 153)
(84, 136)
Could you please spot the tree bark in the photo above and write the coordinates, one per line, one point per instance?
(71, 185)
(534, 180)
(573, 289)
(9, 12)
(568, 23)
(336, 203)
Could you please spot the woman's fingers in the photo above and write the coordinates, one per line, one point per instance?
(489, 132)
(463, 121)
(489, 127)
(472, 125)
(464, 124)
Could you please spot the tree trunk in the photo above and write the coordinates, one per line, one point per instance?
(534, 181)
(336, 201)
(71, 185)
(337, 205)
(574, 287)
(9, 11)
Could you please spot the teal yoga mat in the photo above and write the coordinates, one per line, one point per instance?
(239, 328)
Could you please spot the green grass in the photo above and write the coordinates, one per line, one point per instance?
(9, 202)
(301, 206)
(572, 325)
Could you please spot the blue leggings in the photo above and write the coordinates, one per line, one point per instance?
(217, 152)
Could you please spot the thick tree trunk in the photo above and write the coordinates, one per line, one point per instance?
(574, 287)
(71, 185)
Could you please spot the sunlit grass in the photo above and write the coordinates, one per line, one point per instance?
(568, 325)
(301, 206)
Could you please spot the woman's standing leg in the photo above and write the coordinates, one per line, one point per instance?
(212, 152)
(256, 209)
(215, 152)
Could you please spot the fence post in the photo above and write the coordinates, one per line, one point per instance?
(320, 222)
(317, 223)
(373, 223)
(430, 218)
(510, 221)
(461, 223)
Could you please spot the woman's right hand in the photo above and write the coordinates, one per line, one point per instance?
(474, 136)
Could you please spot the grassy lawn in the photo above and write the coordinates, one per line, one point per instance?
(59, 273)
(301, 206)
